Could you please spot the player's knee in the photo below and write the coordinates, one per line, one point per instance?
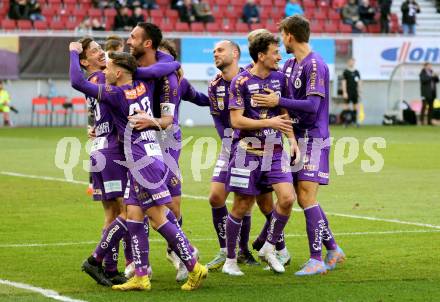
(216, 200)
(286, 201)
(266, 206)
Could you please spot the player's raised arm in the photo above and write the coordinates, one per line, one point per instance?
(77, 79)
(157, 70)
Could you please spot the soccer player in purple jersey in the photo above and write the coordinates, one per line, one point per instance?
(147, 193)
(266, 204)
(258, 159)
(309, 84)
(226, 57)
(109, 182)
(144, 41)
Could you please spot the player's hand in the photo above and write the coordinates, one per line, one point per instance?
(295, 152)
(91, 132)
(282, 123)
(266, 100)
(75, 46)
(141, 120)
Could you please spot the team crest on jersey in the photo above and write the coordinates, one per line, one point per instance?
(297, 83)
(141, 89)
(220, 89)
(130, 94)
(220, 103)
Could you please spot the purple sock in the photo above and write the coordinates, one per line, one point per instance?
(233, 226)
(327, 236)
(179, 243)
(126, 244)
(172, 218)
(219, 217)
(276, 227)
(140, 246)
(109, 240)
(314, 226)
(244, 234)
(281, 244)
(263, 233)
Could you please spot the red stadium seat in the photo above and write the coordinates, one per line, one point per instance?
(228, 27)
(213, 27)
(47, 11)
(345, 28)
(172, 13)
(272, 27)
(40, 107)
(58, 109)
(157, 20)
(373, 28)
(242, 27)
(309, 5)
(182, 27)
(316, 27)
(74, 2)
(57, 25)
(334, 15)
(331, 28)
(24, 24)
(320, 15)
(110, 13)
(40, 25)
(71, 25)
(265, 13)
(266, 3)
(163, 3)
(197, 27)
(79, 13)
(8, 24)
(232, 14)
(95, 13)
(79, 107)
(166, 27)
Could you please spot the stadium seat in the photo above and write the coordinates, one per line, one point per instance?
(309, 5)
(213, 27)
(156, 13)
(272, 27)
(24, 24)
(40, 25)
(265, 13)
(277, 15)
(8, 24)
(78, 108)
(331, 28)
(79, 13)
(171, 13)
(345, 28)
(228, 27)
(334, 15)
(182, 27)
(317, 27)
(242, 27)
(373, 28)
(57, 25)
(70, 2)
(47, 11)
(110, 13)
(163, 3)
(58, 109)
(95, 13)
(40, 107)
(158, 20)
(197, 27)
(71, 25)
(166, 27)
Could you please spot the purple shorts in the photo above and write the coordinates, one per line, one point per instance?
(173, 177)
(147, 187)
(265, 172)
(315, 162)
(109, 183)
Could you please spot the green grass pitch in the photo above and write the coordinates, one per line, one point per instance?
(386, 260)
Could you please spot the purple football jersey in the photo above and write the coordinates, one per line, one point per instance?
(309, 77)
(106, 134)
(243, 86)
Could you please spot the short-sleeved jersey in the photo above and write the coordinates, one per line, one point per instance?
(103, 119)
(309, 77)
(243, 86)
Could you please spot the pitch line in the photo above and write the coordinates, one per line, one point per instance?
(196, 197)
(17, 245)
(42, 291)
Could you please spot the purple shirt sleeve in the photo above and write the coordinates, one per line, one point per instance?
(191, 95)
(104, 93)
(156, 70)
(162, 57)
(310, 105)
(169, 94)
(316, 78)
(219, 126)
(236, 94)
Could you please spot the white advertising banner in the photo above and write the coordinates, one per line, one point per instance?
(376, 58)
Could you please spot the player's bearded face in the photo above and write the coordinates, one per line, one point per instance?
(223, 57)
(286, 41)
(136, 43)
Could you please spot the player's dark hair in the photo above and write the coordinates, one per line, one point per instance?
(261, 44)
(124, 60)
(297, 26)
(236, 46)
(151, 32)
(112, 43)
(170, 47)
(85, 42)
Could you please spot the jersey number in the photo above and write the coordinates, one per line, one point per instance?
(144, 105)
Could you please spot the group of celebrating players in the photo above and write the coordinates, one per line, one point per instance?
(135, 99)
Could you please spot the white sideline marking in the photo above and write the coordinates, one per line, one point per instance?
(214, 239)
(206, 198)
(45, 292)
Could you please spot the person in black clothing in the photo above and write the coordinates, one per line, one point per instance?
(428, 83)
(351, 88)
(409, 10)
(19, 10)
(123, 21)
(187, 12)
(385, 15)
(366, 12)
(137, 16)
(251, 13)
